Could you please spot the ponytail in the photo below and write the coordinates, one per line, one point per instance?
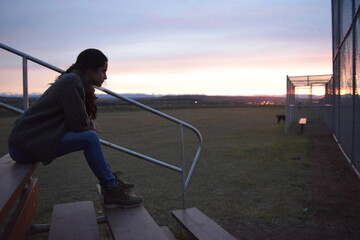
(72, 67)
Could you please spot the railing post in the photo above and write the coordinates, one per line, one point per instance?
(25, 84)
(183, 172)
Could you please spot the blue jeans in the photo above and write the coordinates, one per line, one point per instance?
(89, 142)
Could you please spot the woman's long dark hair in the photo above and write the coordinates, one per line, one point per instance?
(89, 59)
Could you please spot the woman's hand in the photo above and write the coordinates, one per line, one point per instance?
(95, 126)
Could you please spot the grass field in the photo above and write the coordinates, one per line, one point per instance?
(251, 177)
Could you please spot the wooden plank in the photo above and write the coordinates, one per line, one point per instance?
(302, 121)
(13, 179)
(19, 224)
(168, 233)
(75, 220)
(132, 223)
(199, 225)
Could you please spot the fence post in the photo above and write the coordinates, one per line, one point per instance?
(183, 172)
(25, 84)
(354, 92)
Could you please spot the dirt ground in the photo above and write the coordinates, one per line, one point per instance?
(335, 191)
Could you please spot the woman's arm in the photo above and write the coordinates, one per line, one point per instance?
(95, 126)
(76, 117)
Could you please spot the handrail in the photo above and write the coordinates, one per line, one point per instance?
(182, 124)
(168, 117)
(31, 58)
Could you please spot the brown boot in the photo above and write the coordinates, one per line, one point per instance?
(121, 197)
(118, 175)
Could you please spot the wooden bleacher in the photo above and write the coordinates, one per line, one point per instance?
(77, 220)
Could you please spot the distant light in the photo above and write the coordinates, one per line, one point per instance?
(195, 102)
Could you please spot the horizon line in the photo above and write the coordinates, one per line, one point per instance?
(6, 94)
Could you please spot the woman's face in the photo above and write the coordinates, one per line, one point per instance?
(97, 77)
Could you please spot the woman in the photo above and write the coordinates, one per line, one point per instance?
(60, 122)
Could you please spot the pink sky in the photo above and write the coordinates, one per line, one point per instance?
(171, 47)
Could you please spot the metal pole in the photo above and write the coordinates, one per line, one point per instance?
(354, 125)
(287, 104)
(25, 84)
(183, 173)
(139, 155)
(31, 58)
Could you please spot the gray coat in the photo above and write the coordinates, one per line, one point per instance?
(61, 108)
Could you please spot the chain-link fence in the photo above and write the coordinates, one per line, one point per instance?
(339, 108)
(346, 67)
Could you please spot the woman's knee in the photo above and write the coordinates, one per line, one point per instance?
(76, 141)
(91, 136)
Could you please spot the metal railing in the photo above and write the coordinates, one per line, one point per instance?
(185, 177)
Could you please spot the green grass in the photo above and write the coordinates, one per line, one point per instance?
(250, 177)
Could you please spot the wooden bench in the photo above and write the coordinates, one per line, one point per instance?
(19, 191)
(75, 220)
(70, 221)
(302, 123)
(200, 226)
(18, 200)
(134, 223)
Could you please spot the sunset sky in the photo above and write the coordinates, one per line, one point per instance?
(213, 47)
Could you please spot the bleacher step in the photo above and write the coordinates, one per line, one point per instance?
(133, 223)
(74, 221)
(168, 233)
(13, 178)
(200, 226)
